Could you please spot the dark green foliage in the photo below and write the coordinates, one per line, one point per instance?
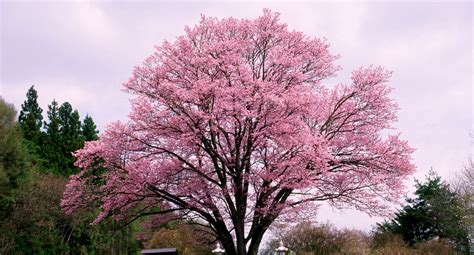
(51, 151)
(30, 118)
(89, 129)
(64, 134)
(30, 122)
(69, 127)
(69, 139)
(31, 220)
(435, 213)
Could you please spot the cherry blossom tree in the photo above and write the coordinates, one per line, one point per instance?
(232, 127)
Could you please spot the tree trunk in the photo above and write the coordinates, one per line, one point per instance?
(228, 247)
(258, 235)
(241, 247)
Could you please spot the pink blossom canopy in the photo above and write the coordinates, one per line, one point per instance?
(232, 125)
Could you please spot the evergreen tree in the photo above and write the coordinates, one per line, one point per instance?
(75, 132)
(89, 129)
(435, 213)
(70, 138)
(52, 151)
(30, 117)
(52, 128)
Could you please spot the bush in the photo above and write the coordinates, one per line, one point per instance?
(37, 225)
(388, 243)
(188, 239)
(439, 247)
(307, 238)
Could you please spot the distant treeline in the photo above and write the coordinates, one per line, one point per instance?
(51, 142)
(36, 158)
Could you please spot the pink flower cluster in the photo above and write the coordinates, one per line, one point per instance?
(231, 123)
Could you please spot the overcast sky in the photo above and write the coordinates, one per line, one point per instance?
(82, 52)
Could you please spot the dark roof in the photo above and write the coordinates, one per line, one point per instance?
(163, 251)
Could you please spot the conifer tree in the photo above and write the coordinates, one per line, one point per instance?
(69, 127)
(75, 132)
(52, 128)
(435, 213)
(89, 129)
(70, 138)
(30, 118)
(52, 152)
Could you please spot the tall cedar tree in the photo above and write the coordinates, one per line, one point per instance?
(30, 120)
(435, 213)
(70, 138)
(89, 129)
(52, 151)
(64, 135)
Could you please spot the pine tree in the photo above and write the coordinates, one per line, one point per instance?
(30, 118)
(435, 213)
(89, 129)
